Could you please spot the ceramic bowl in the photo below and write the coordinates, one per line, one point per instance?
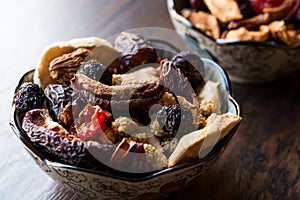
(244, 61)
(102, 185)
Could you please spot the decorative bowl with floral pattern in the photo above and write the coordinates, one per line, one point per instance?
(147, 185)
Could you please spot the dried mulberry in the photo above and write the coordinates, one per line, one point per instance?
(61, 101)
(29, 96)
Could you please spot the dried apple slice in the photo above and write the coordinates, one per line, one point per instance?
(104, 51)
(189, 146)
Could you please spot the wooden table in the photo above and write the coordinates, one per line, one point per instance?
(262, 160)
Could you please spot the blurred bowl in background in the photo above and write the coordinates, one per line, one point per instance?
(244, 61)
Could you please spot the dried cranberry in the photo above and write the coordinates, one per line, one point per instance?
(134, 50)
(29, 96)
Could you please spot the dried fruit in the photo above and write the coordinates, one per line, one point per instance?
(92, 123)
(176, 120)
(117, 99)
(63, 68)
(28, 96)
(259, 5)
(52, 137)
(191, 66)
(135, 51)
(130, 157)
(61, 101)
(96, 71)
(169, 118)
(197, 4)
(173, 79)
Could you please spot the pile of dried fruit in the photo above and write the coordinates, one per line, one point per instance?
(124, 106)
(274, 21)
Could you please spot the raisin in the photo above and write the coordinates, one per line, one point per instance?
(191, 66)
(29, 96)
(169, 118)
(97, 71)
(176, 121)
(135, 51)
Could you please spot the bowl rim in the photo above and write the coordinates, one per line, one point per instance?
(35, 152)
(222, 42)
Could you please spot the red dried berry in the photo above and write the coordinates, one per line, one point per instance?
(92, 122)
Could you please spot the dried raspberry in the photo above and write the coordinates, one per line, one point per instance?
(29, 96)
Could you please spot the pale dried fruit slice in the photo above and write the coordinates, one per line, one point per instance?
(279, 30)
(105, 53)
(206, 22)
(210, 98)
(224, 10)
(243, 33)
(189, 146)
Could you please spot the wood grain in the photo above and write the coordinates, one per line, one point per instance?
(261, 162)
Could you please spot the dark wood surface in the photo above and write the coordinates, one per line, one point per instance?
(262, 160)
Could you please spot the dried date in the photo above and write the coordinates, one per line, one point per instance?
(169, 118)
(58, 142)
(52, 137)
(135, 51)
(191, 66)
(173, 79)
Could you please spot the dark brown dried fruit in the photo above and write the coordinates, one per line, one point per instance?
(169, 118)
(197, 5)
(28, 96)
(61, 101)
(135, 98)
(135, 51)
(176, 120)
(191, 66)
(96, 71)
(173, 79)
